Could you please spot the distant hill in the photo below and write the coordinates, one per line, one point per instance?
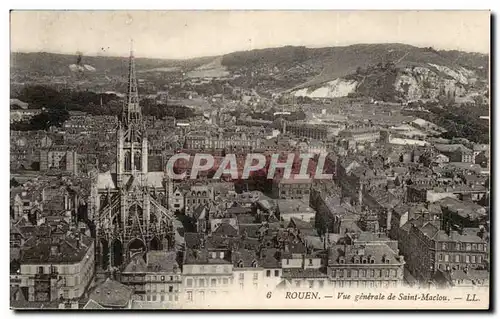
(337, 62)
(367, 69)
(52, 64)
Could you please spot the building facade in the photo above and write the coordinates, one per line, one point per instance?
(129, 207)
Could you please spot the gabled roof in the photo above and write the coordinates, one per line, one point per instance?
(226, 229)
(106, 180)
(111, 294)
(91, 304)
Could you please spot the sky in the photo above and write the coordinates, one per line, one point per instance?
(187, 34)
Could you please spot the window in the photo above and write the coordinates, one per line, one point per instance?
(213, 282)
(202, 282)
(355, 273)
(443, 246)
(363, 273)
(297, 283)
(479, 259)
(348, 273)
(473, 259)
(446, 258)
(321, 283)
(268, 273)
(224, 281)
(393, 273)
(242, 276)
(241, 285)
(474, 247)
(372, 273)
(202, 295)
(310, 262)
(162, 297)
(479, 246)
(276, 273)
(458, 246)
(387, 273)
(457, 258)
(255, 276)
(440, 257)
(341, 273)
(40, 270)
(170, 288)
(467, 259)
(467, 247)
(189, 282)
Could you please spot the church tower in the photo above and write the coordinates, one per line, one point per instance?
(132, 142)
(130, 207)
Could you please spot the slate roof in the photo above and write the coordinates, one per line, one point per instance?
(67, 250)
(225, 229)
(111, 294)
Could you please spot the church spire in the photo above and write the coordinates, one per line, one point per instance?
(132, 110)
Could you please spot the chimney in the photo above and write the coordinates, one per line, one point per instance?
(389, 218)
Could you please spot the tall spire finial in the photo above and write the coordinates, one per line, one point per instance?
(132, 110)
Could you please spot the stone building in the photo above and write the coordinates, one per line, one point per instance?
(57, 266)
(370, 265)
(155, 276)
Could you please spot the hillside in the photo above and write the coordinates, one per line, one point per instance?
(388, 71)
(52, 64)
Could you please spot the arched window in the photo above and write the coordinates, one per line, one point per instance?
(128, 162)
(137, 160)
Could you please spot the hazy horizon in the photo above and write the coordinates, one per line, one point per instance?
(193, 34)
(224, 53)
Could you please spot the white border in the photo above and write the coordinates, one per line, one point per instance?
(200, 5)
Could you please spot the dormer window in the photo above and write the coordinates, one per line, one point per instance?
(341, 260)
(254, 264)
(364, 260)
(240, 263)
(214, 255)
(372, 260)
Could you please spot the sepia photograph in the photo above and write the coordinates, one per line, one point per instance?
(238, 159)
